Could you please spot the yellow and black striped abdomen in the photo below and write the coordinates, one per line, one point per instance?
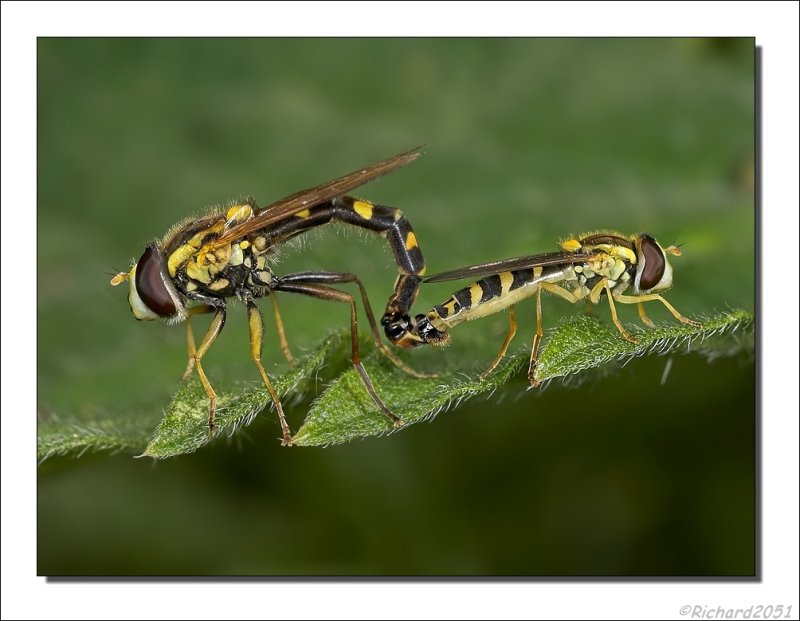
(388, 222)
(490, 295)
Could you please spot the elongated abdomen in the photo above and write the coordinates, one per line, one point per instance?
(490, 295)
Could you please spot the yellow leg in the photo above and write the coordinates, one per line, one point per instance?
(281, 334)
(214, 329)
(256, 324)
(614, 317)
(191, 349)
(643, 316)
(512, 330)
(195, 310)
(559, 291)
(537, 338)
(652, 297)
(594, 295)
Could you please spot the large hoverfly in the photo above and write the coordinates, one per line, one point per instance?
(585, 269)
(201, 262)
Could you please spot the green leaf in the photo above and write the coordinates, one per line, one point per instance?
(59, 435)
(184, 429)
(345, 412)
(584, 342)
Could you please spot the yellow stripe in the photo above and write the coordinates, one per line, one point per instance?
(506, 278)
(537, 272)
(475, 294)
(303, 214)
(571, 245)
(363, 209)
(422, 271)
(178, 258)
(411, 241)
(449, 307)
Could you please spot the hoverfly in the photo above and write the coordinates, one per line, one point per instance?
(584, 269)
(201, 262)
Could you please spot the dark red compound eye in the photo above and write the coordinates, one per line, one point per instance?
(150, 284)
(654, 263)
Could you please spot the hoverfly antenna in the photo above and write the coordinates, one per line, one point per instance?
(674, 250)
(119, 278)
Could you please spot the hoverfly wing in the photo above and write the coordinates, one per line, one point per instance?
(506, 265)
(306, 199)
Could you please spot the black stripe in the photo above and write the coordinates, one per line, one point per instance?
(409, 262)
(443, 312)
(388, 222)
(463, 297)
(405, 293)
(491, 287)
(521, 278)
(417, 262)
(551, 271)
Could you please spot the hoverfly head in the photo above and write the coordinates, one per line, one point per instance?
(653, 271)
(152, 293)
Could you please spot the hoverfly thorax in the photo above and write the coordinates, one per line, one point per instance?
(152, 293)
(653, 271)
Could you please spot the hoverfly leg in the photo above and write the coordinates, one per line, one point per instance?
(652, 297)
(281, 333)
(344, 277)
(376, 336)
(195, 310)
(299, 283)
(643, 316)
(191, 348)
(217, 323)
(625, 334)
(512, 330)
(537, 338)
(256, 324)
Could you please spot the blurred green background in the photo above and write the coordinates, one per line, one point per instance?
(529, 141)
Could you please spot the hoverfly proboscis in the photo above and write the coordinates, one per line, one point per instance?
(585, 269)
(203, 261)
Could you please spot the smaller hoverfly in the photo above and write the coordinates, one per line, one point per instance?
(585, 269)
(203, 261)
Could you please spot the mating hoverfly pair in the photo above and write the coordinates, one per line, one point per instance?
(201, 262)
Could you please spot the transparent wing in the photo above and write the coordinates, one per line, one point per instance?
(495, 267)
(306, 199)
